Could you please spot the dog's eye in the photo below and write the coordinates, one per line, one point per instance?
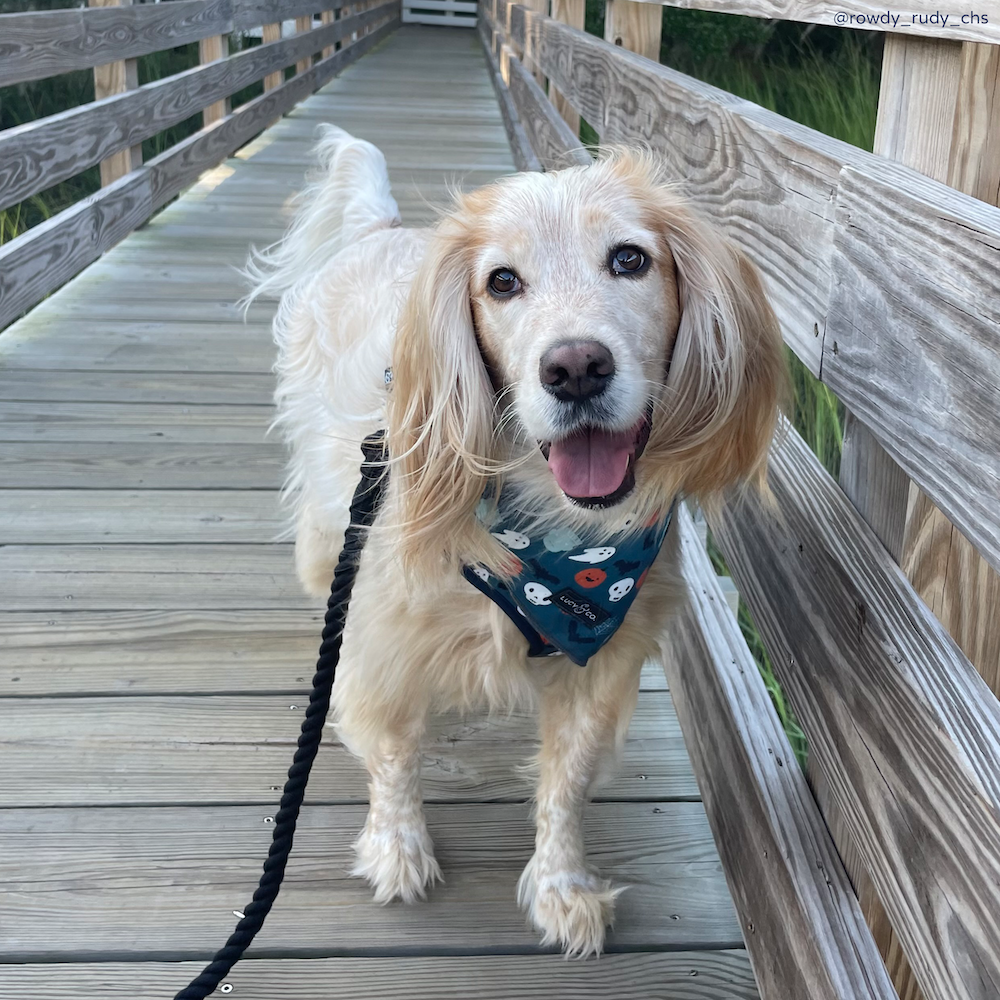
(627, 260)
(504, 283)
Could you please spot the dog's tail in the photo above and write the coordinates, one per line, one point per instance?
(348, 198)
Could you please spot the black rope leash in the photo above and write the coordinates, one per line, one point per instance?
(365, 506)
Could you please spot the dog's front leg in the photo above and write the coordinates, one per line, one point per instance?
(584, 718)
(395, 852)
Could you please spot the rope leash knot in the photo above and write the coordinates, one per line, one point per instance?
(365, 505)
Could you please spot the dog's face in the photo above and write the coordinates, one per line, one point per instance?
(574, 299)
(586, 329)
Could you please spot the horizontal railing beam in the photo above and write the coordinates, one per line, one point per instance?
(46, 256)
(801, 921)
(38, 44)
(41, 153)
(903, 730)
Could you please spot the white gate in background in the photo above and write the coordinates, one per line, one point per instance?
(457, 13)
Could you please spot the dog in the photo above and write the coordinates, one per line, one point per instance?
(579, 340)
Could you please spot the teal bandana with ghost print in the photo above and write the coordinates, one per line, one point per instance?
(571, 593)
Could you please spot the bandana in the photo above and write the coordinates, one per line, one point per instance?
(571, 593)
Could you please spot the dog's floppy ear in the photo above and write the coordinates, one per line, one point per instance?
(441, 408)
(727, 372)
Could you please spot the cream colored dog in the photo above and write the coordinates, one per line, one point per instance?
(581, 335)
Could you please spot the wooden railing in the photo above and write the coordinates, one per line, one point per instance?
(887, 285)
(41, 153)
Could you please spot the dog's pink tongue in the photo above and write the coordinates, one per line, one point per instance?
(592, 463)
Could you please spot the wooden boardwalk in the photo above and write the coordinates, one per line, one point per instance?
(155, 647)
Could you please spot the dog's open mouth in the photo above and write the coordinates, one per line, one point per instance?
(595, 467)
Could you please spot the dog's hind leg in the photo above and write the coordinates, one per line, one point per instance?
(584, 718)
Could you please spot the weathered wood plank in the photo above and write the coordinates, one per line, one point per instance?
(169, 652)
(520, 146)
(683, 975)
(113, 423)
(865, 15)
(78, 517)
(157, 652)
(232, 748)
(904, 732)
(135, 466)
(802, 923)
(921, 366)
(149, 577)
(43, 258)
(37, 44)
(56, 386)
(553, 142)
(636, 26)
(133, 889)
(43, 152)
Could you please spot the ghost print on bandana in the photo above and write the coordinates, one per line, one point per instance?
(571, 593)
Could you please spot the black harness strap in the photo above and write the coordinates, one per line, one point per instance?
(365, 506)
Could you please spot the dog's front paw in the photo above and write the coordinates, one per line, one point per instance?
(570, 908)
(398, 861)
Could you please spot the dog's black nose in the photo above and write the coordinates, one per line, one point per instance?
(575, 370)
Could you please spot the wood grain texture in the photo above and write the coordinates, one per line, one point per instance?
(553, 142)
(864, 15)
(520, 146)
(974, 164)
(272, 33)
(572, 13)
(903, 729)
(148, 577)
(701, 975)
(136, 466)
(114, 78)
(164, 882)
(55, 386)
(906, 268)
(875, 484)
(38, 44)
(214, 49)
(634, 26)
(801, 922)
(114, 516)
(44, 257)
(171, 652)
(87, 751)
(134, 422)
(157, 652)
(303, 25)
(934, 112)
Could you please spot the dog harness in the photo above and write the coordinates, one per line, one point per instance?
(570, 594)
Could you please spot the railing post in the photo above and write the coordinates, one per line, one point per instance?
(939, 113)
(574, 14)
(272, 33)
(116, 78)
(303, 24)
(327, 17)
(211, 50)
(634, 26)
